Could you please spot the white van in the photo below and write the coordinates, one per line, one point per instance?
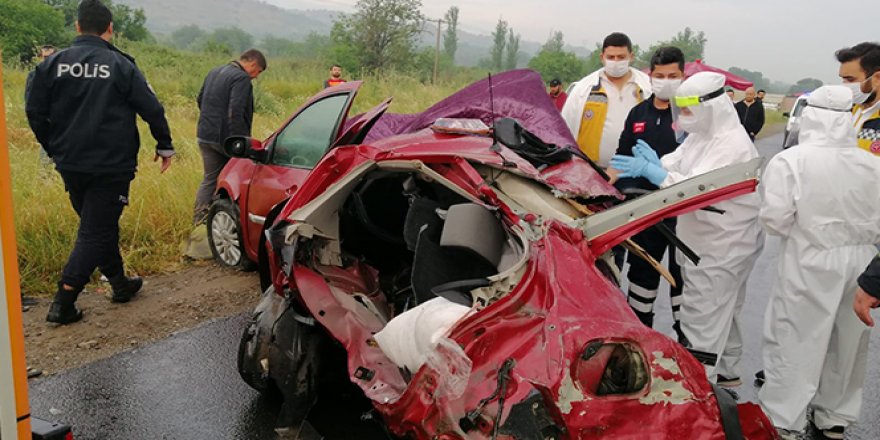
(794, 122)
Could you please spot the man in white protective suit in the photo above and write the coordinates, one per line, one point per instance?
(821, 198)
(729, 243)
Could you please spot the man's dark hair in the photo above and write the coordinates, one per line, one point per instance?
(617, 39)
(254, 55)
(336, 65)
(668, 55)
(761, 91)
(48, 47)
(93, 17)
(867, 53)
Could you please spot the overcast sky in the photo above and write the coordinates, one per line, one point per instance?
(785, 39)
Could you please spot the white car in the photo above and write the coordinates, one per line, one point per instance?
(792, 128)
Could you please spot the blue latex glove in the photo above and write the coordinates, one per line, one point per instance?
(645, 151)
(638, 167)
(629, 166)
(655, 174)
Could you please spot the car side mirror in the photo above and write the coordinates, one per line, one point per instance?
(245, 147)
(786, 114)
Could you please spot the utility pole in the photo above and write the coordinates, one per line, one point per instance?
(437, 53)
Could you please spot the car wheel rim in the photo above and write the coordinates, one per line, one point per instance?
(224, 231)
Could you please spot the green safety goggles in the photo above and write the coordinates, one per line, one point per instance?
(690, 101)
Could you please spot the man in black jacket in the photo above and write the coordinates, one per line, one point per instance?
(651, 122)
(751, 113)
(868, 294)
(82, 108)
(226, 103)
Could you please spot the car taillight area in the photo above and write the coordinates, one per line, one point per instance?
(612, 369)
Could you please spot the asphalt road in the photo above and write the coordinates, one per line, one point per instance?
(187, 387)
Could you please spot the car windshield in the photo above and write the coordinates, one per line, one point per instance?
(306, 138)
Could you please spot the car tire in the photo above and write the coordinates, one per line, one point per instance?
(248, 364)
(225, 237)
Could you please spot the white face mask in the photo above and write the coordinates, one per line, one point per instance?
(859, 97)
(616, 69)
(688, 122)
(665, 88)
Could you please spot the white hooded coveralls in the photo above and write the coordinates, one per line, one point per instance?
(728, 244)
(822, 198)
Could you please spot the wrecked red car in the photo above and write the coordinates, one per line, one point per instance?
(468, 279)
(249, 188)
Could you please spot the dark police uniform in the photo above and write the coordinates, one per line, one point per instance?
(869, 281)
(82, 107)
(654, 126)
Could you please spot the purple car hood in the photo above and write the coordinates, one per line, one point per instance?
(518, 94)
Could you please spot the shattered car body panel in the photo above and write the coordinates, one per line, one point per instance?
(561, 344)
(549, 347)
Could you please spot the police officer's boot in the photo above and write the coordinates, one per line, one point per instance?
(125, 288)
(682, 339)
(63, 309)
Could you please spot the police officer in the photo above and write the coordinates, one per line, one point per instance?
(82, 110)
(651, 122)
(868, 293)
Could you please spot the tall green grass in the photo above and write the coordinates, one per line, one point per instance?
(158, 217)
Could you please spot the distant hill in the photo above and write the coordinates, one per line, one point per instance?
(261, 19)
(254, 17)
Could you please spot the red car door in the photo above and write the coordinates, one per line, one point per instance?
(293, 151)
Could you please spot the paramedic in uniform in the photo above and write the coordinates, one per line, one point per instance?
(860, 71)
(82, 108)
(598, 104)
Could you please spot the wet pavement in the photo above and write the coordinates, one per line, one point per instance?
(187, 386)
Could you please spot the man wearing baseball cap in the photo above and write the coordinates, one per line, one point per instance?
(556, 93)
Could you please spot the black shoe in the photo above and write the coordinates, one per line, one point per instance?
(760, 379)
(29, 301)
(63, 313)
(728, 382)
(682, 339)
(125, 288)
(833, 433)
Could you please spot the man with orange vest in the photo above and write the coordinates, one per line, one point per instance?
(598, 104)
(335, 76)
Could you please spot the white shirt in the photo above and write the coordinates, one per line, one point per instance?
(579, 92)
(620, 102)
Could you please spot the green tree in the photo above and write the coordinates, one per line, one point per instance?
(380, 34)
(594, 61)
(499, 38)
(184, 37)
(280, 47)
(512, 50)
(450, 36)
(233, 38)
(691, 43)
(128, 22)
(552, 61)
(555, 43)
(26, 25)
(805, 85)
(754, 76)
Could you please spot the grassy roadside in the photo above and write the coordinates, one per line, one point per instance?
(158, 217)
